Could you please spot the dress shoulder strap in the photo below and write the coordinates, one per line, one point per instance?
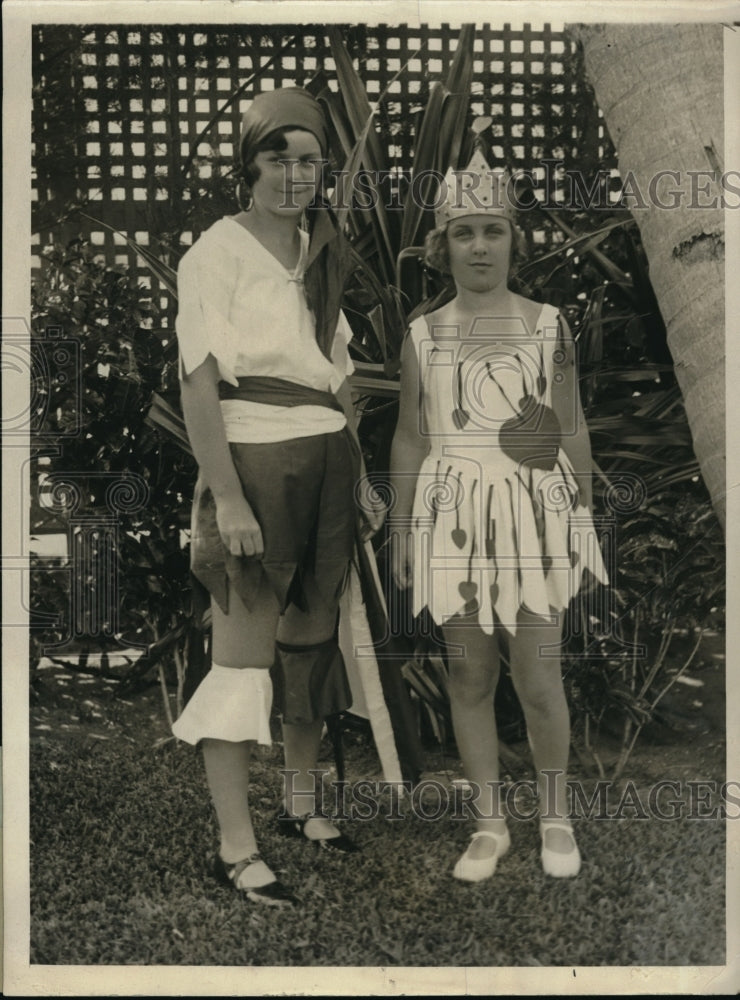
(419, 331)
(549, 319)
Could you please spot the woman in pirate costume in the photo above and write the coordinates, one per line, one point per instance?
(269, 418)
(492, 521)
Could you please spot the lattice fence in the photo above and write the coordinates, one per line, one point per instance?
(135, 121)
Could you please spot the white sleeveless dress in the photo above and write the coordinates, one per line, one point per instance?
(495, 531)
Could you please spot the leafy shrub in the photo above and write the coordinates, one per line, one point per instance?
(121, 360)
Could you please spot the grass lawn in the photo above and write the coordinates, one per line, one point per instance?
(122, 829)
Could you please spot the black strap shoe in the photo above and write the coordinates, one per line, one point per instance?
(295, 826)
(273, 893)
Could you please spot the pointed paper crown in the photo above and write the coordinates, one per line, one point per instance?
(476, 190)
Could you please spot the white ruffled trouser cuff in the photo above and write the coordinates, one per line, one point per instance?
(229, 704)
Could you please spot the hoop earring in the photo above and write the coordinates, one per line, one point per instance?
(244, 196)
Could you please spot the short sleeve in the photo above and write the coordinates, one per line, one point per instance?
(206, 279)
(339, 354)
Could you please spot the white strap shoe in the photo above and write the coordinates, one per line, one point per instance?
(559, 864)
(470, 869)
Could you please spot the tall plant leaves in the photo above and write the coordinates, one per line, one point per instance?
(583, 243)
(607, 266)
(458, 84)
(168, 419)
(439, 135)
(368, 151)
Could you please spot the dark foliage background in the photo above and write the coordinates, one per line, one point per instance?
(666, 554)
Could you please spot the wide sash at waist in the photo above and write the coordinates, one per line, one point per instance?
(277, 392)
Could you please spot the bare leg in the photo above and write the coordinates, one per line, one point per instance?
(538, 683)
(227, 773)
(240, 639)
(474, 674)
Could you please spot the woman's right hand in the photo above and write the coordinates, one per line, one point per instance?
(238, 527)
(402, 556)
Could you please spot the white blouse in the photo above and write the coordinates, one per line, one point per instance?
(238, 303)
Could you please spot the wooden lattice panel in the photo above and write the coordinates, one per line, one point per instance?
(149, 133)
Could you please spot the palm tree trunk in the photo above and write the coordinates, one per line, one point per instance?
(660, 89)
